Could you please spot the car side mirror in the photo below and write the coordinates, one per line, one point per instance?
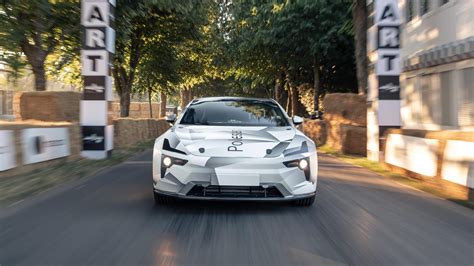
(317, 115)
(297, 120)
(171, 118)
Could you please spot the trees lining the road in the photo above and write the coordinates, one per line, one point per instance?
(359, 18)
(292, 50)
(37, 29)
(149, 36)
(285, 44)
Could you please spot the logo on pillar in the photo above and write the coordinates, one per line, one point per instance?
(389, 88)
(93, 138)
(95, 88)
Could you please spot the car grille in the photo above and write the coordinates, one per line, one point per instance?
(235, 192)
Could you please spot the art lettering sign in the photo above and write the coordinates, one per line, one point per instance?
(98, 47)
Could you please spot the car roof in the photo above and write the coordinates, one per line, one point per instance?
(230, 98)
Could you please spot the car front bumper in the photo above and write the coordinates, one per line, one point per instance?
(234, 176)
(234, 198)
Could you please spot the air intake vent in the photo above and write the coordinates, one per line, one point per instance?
(235, 192)
(167, 147)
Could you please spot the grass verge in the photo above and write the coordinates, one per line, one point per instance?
(17, 188)
(381, 170)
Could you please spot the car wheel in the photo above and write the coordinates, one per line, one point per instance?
(306, 201)
(162, 199)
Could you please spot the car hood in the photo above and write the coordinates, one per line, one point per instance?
(219, 141)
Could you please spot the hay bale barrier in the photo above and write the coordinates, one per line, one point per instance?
(316, 130)
(130, 131)
(353, 140)
(52, 106)
(344, 127)
(345, 108)
(137, 109)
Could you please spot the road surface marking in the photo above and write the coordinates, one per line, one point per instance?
(80, 187)
(138, 162)
(337, 165)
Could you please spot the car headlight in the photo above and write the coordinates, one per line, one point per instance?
(302, 164)
(168, 161)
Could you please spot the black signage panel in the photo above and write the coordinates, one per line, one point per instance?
(389, 87)
(93, 138)
(94, 87)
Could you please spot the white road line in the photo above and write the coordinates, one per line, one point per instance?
(336, 165)
(79, 187)
(16, 202)
(138, 162)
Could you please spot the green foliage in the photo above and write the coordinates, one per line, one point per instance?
(268, 37)
(159, 45)
(37, 29)
(212, 47)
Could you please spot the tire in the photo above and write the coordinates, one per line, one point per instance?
(162, 199)
(306, 201)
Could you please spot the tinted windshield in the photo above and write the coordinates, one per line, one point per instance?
(233, 113)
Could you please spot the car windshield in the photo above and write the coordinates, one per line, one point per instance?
(235, 112)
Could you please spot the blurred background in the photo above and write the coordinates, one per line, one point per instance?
(386, 89)
(301, 53)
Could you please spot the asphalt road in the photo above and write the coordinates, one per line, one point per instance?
(358, 219)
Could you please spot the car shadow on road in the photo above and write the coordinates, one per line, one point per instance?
(223, 206)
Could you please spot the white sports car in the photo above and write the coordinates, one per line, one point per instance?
(233, 148)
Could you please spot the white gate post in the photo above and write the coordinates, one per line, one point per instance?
(98, 47)
(383, 108)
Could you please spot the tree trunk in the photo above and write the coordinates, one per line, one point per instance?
(294, 99)
(163, 104)
(40, 77)
(278, 89)
(185, 97)
(149, 103)
(288, 100)
(125, 103)
(359, 18)
(190, 96)
(36, 57)
(316, 85)
(124, 78)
